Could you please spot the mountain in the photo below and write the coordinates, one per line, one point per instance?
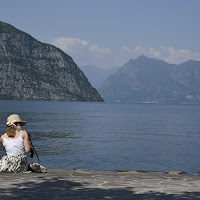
(97, 75)
(147, 80)
(32, 70)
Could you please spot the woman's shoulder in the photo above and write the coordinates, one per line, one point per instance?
(1, 138)
(24, 133)
(4, 135)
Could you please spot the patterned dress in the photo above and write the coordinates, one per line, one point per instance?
(14, 163)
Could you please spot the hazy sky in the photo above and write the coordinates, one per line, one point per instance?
(108, 33)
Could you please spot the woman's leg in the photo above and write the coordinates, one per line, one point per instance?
(3, 158)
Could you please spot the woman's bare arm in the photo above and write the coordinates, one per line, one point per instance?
(27, 145)
(1, 141)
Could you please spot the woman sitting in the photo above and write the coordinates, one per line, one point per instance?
(16, 143)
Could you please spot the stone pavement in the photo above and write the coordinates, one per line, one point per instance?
(83, 184)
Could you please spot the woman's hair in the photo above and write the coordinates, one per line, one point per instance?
(11, 130)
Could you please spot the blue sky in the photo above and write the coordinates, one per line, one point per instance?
(107, 33)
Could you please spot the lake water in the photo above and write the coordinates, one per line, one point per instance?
(106, 136)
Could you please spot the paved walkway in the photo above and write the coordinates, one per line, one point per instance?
(80, 185)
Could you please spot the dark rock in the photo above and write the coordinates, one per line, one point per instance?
(32, 70)
(146, 80)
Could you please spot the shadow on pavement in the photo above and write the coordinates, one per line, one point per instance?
(61, 189)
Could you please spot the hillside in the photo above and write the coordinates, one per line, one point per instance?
(146, 80)
(32, 70)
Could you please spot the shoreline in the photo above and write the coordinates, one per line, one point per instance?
(137, 172)
(91, 171)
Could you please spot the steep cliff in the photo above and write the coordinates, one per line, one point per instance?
(146, 80)
(32, 70)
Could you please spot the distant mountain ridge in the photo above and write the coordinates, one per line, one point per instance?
(97, 75)
(32, 70)
(148, 80)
